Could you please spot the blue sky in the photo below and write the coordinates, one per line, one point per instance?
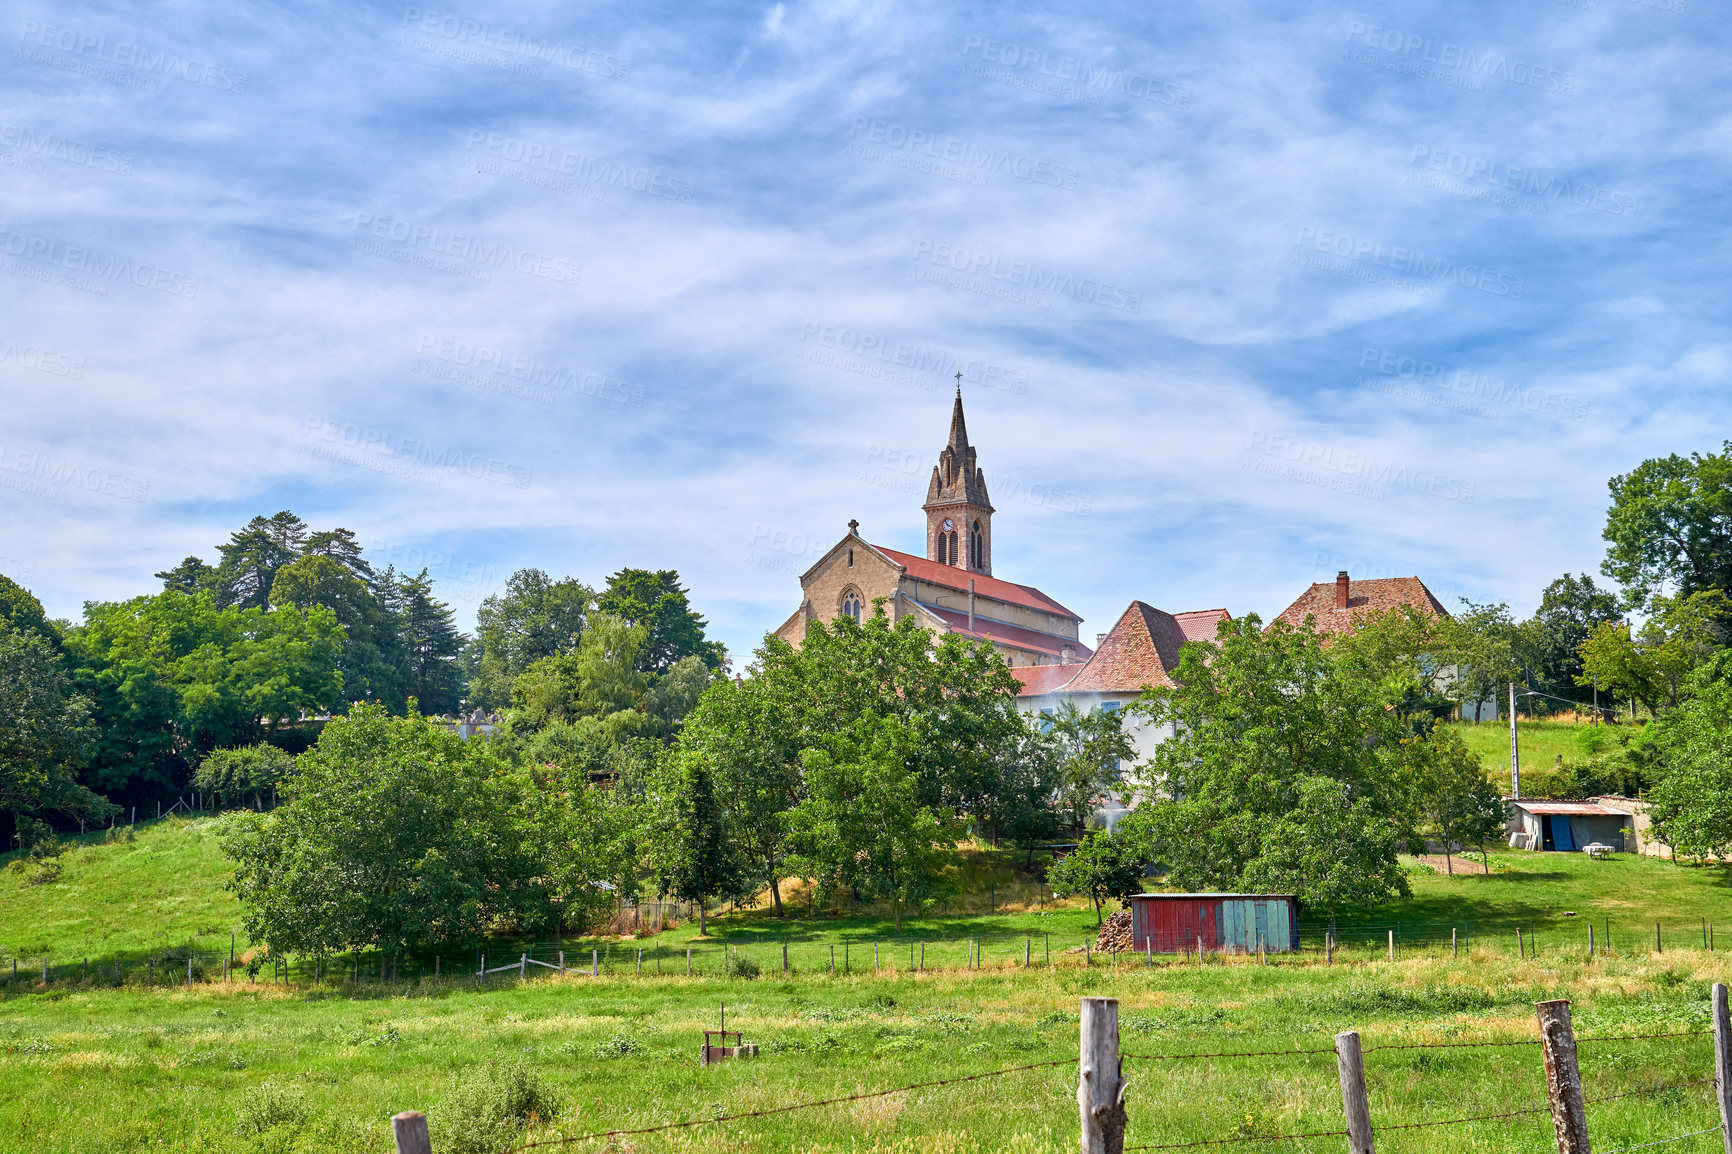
(1243, 294)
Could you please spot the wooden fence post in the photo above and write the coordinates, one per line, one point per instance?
(1521, 947)
(1355, 1107)
(1392, 945)
(875, 957)
(410, 1130)
(1100, 1092)
(522, 966)
(1590, 940)
(640, 963)
(595, 963)
(1657, 948)
(688, 961)
(784, 957)
(1455, 943)
(1723, 1064)
(1563, 1077)
(1328, 948)
(1027, 951)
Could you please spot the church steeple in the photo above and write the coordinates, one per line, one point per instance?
(958, 511)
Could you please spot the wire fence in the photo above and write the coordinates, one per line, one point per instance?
(412, 1126)
(847, 954)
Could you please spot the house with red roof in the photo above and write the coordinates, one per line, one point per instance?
(952, 588)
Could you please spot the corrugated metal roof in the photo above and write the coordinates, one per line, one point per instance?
(1567, 808)
(1237, 897)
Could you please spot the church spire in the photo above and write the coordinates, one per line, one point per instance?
(958, 427)
(958, 511)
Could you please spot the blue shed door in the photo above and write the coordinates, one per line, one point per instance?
(1561, 833)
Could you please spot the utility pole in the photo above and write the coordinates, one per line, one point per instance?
(1515, 757)
(1596, 699)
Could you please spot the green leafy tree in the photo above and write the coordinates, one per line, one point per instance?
(1262, 717)
(1463, 807)
(738, 734)
(254, 771)
(1691, 805)
(253, 555)
(1332, 849)
(171, 677)
(22, 612)
(1651, 664)
(1091, 748)
(656, 602)
(862, 824)
(1102, 868)
(430, 646)
(1670, 527)
(599, 679)
(694, 858)
(46, 735)
(1571, 608)
(365, 660)
(395, 833)
(190, 576)
(536, 617)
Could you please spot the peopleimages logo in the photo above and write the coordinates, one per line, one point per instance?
(1517, 180)
(1361, 473)
(1409, 262)
(912, 356)
(968, 157)
(88, 262)
(47, 146)
(1475, 390)
(90, 46)
(1031, 277)
(460, 30)
(438, 242)
(1070, 69)
(1485, 64)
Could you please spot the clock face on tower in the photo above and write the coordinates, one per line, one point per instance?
(948, 524)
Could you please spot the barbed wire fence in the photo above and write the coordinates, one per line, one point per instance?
(1104, 1111)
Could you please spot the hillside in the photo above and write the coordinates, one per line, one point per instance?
(164, 891)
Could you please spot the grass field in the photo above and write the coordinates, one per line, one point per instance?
(260, 1068)
(162, 894)
(96, 1066)
(1542, 743)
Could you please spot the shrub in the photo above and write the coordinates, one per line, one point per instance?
(488, 1109)
(45, 872)
(618, 1046)
(271, 1104)
(735, 966)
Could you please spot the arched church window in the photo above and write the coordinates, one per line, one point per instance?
(955, 557)
(943, 549)
(977, 546)
(851, 604)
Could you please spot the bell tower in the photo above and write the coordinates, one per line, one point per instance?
(958, 512)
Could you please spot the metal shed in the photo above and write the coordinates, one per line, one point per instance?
(1568, 825)
(1232, 923)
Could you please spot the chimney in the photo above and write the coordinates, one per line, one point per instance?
(1099, 637)
(1341, 590)
(971, 605)
(1066, 654)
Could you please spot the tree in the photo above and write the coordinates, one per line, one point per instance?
(1652, 663)
(1332, 849)
(1463, 807)
(190, 576)
(172, 677)
(1571, 608)
(657, 602)
(1670, 526)
(430, 645)
(599, 679)
(862, 824)
(1091, 747)
(46, 734)
(694, 858)
(253, 555)
(739, 736)
(1103, 867)
(369, 633)
(1691, 805)
(1483, 644)
(1264, 719)
(537, 617)
(21, 612)
(249, 770)
(396, 833)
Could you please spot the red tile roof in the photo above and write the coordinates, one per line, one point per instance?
(1141, 650)
(987, 630)
(1363, 597)
(1200, 624)
(953, 578)
(1039, 680)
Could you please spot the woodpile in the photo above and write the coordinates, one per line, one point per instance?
(1115, 933)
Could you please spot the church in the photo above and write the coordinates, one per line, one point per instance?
(949, 590)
